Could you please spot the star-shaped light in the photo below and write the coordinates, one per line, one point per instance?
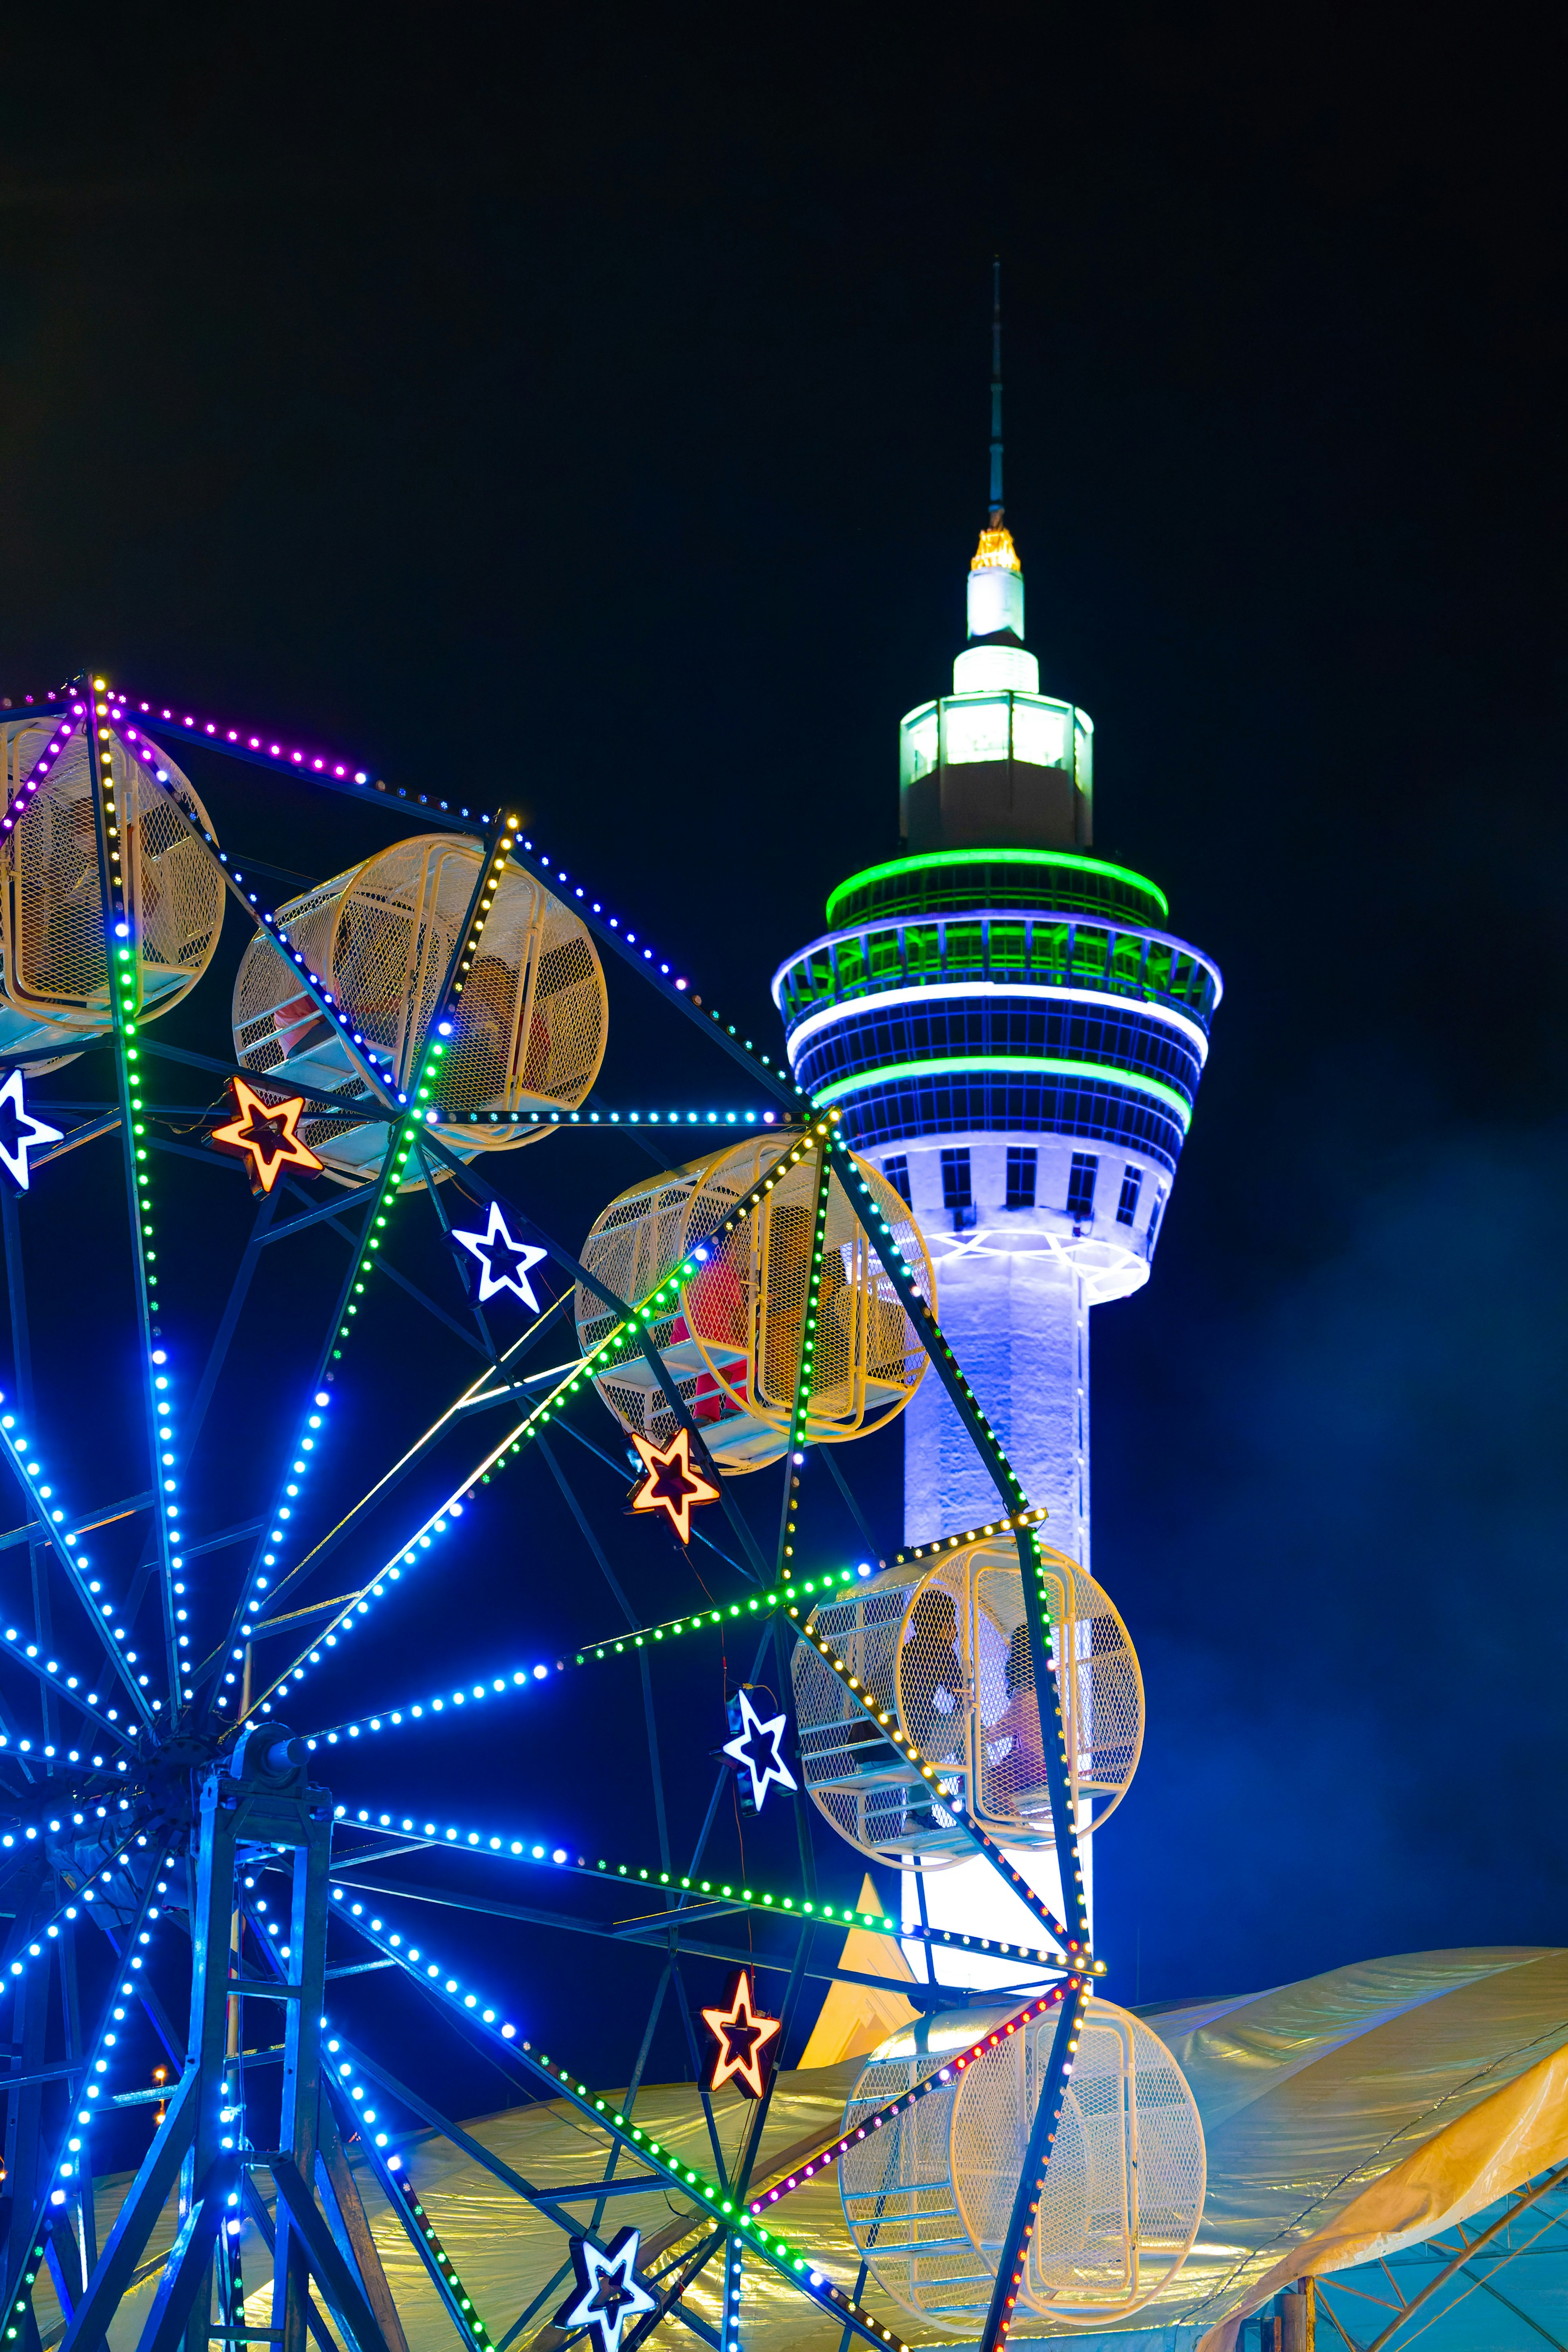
(263, 1134)
(759, 1745)
(20, 1132)
(503, 1263)
(672, 1486)
(606, 2294)
(742, 2034)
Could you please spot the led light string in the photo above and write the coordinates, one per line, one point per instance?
(64, 2175)
(22, 798)
(49, 1932)
(632, 1117)
(143, 748)
(701, 1621)
(123, 957)
(1042, 2135)
(734, 2249)
(296, 761)
(799, 1411)
(938, 2081)
(421, 1109)
(393, 1719)
(1032, 1516)
(21, 1453)
(894, 1732)
(49, 1673)
(438, 2260)
(691, 2186)
(924, 1320)
(791, 1907)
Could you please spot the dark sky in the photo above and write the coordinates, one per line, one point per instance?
(593, 401)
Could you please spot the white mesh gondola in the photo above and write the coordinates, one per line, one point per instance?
(54, 971)
(732, 1341)
(928, 2196)
(941, 1647)
(528, 1027)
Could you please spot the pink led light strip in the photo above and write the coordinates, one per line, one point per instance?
(40, 768)
(917, 2091)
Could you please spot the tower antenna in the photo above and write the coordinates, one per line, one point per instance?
(996, 391)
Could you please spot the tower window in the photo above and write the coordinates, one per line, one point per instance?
(1022, 1163)
(1153, 1224)
(1131, 1185)
(1080, 1184)
(956, 1193)
(897, 1171)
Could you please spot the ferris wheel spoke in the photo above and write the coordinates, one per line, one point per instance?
(70, 2163)
(710, 1899)
(475, 1396)
(66, 1688)
(792, 2264)
(27, 1470)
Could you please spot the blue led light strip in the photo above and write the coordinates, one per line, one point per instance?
(102, 1614)
(693, 2189)
(795, 1908)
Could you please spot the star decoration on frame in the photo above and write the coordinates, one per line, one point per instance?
(607, 2294)
(263, 1134)
(500, 1263)
(758, 1748)
(20, 1132)
(743, 2035)
(672, 1486)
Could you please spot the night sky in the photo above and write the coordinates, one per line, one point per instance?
(592, 407)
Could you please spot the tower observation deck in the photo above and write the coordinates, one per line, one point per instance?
(1013, 1033)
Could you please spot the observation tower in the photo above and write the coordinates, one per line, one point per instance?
(1013, 1036)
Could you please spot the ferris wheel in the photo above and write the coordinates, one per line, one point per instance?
(200, 1781)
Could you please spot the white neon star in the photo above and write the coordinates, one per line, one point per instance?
(495, 1247)
(755, 1735)
(20, 1132)
(608, 2294)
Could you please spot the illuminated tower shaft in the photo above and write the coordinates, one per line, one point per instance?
(1013, 1036)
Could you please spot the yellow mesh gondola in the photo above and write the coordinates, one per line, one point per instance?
(927, 2197)
(54, 972)
(529, 1027)
(941, 1647)
(733, 1341)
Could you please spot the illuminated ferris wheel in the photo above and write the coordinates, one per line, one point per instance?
(195, 1816)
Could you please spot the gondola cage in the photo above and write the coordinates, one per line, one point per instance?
(732, 1340)
(928, 2196)
(54, 970)
(528, 1027)
(942, 1645)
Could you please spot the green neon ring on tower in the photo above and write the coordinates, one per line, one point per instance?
(1025, 1065)
(932, 858)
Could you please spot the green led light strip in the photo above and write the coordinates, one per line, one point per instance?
(937, 858)
(461, 2303)
(776, 1596)
(1048, 1066)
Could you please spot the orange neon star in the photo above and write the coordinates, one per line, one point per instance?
(672, 1486)
(743, 2035)
(263, 1134)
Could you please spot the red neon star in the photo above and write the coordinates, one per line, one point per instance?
(743, 2035)
(672, 1486)
(263, 1134)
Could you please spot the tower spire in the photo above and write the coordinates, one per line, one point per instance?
(996, 391)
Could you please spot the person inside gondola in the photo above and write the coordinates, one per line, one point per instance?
(1014, 1752)
(931, 1680)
